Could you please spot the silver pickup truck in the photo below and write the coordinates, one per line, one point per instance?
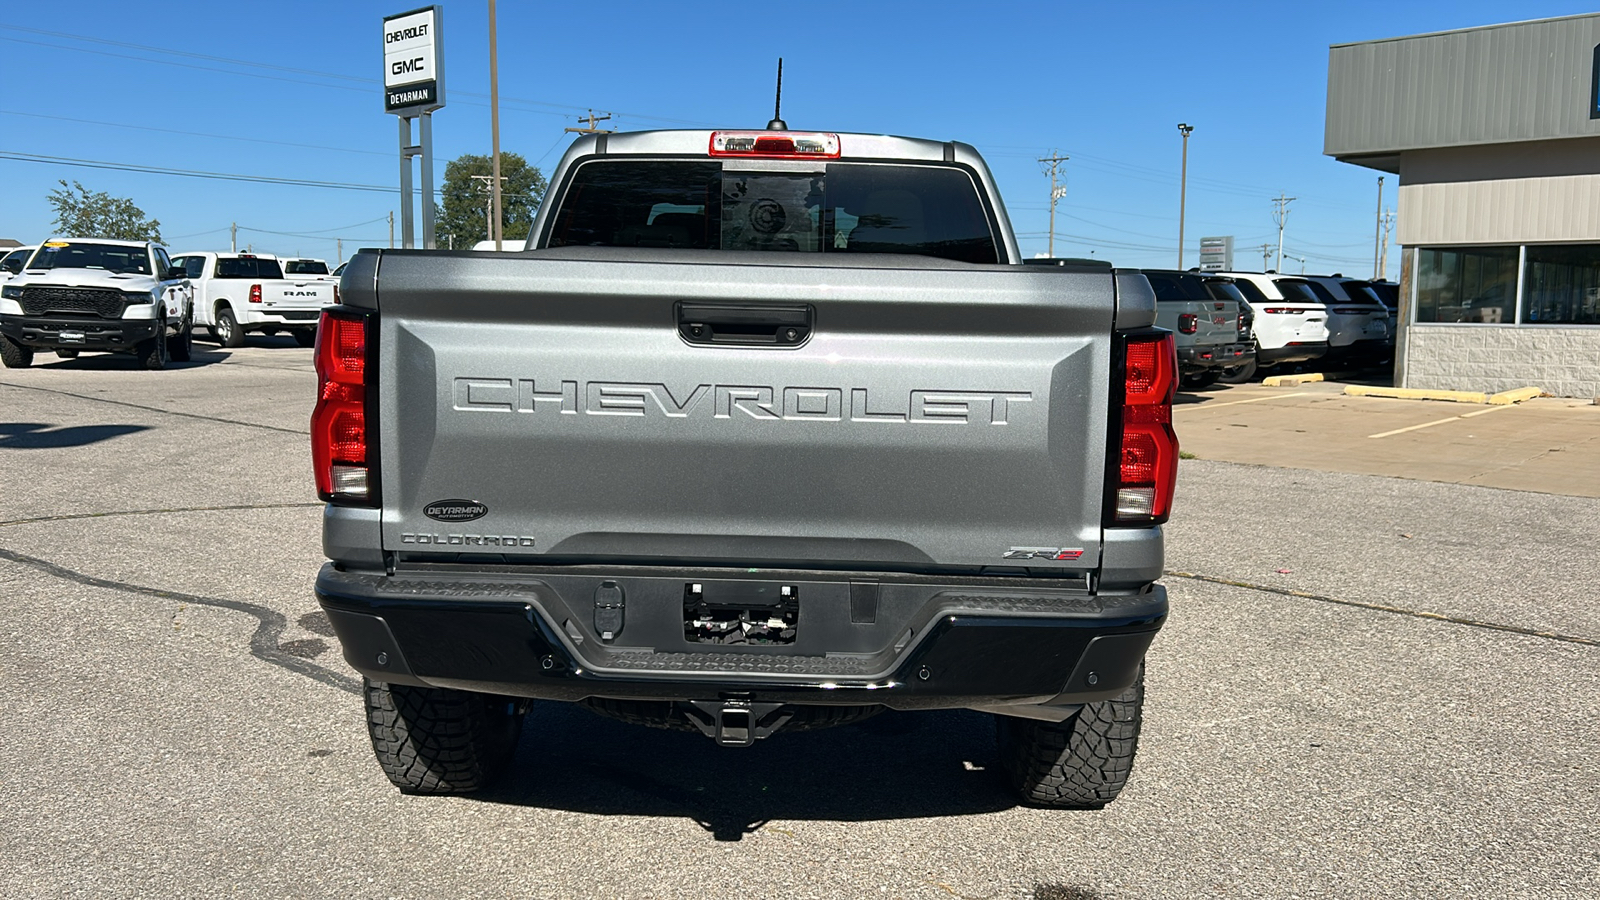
(768, 431)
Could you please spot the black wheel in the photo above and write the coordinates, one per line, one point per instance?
(434, 741)
(1238, 374)
(1081, 763)
(181, 345)
(67, 354)
(14, 355)
(305, 337)
(152, 353)
(1200, 379)
(227, 329)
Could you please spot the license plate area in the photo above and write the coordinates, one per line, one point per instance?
(758, 613)
(71, 337)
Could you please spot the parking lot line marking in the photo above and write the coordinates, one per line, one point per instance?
(1437, 422)
(1251, 400)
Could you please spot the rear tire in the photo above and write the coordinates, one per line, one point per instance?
(1239, 374)
(305, 337)
(14, 355)
(67, 354)
(1081, 763)
(436, 741)
(1200, 379)
(227, 329)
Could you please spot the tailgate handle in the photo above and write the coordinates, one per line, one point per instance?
(744, 325)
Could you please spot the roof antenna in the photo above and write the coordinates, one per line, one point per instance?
(777, 123)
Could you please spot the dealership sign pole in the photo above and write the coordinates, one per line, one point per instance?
(413, 87)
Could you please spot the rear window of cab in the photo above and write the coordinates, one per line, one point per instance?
(924, 210)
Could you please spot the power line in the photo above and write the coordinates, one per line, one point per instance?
(223, 137)
(215, 176)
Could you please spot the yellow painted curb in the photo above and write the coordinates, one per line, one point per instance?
(1356, 390)
(1505, 398)
(1291, 380)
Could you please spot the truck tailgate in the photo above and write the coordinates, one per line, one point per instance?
(304, 293)
(935, 417)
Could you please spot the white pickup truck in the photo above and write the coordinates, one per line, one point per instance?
(75, 294)
(235, 293)
(301, 268)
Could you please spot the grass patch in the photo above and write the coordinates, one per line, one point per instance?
(1184, 454)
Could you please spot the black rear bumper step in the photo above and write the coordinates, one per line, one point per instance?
(930, 645)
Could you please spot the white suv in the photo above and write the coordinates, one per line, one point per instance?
(1288, 329)
(1358, 323)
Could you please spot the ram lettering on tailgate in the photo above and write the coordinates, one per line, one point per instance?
(724, 401)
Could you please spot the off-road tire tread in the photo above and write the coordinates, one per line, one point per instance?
(1240, 374)
(435, 741)
(14, 355)
(152, 352)
(180, 347)
(1081, 763)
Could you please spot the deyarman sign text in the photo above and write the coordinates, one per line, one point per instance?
(413, 62)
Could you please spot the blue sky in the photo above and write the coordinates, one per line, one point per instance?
(292, 90)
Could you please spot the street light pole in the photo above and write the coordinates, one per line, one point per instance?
(1183, 188)
(494, 125)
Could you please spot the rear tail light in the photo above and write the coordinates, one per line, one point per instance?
(340, 429)
(1354, 310)
(1284, 310)
(255, 293)
(775, 144)
(1188, 323)
(1245, 321)
(1147, 460)
(336, 295)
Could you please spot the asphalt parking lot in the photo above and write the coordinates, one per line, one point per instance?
(1369, 686)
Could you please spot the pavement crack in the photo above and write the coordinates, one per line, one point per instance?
(155, 409)
(156, 512)
(1394, 610)
(263, 642)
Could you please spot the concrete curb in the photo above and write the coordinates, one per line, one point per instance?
(1292, 380)
(1504, 398)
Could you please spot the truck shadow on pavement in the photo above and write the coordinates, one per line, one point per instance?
(895, 765)
(40, 436)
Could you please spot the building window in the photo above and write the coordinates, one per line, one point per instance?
(1561, 285)
(1467, 284)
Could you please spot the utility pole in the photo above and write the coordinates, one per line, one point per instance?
(1050, 164)
(339, 257)
(391, 229)
(1377, 233)
(494, 119)
(1383, 259)
(1280, 214)
(1183, 188)
(489, 198)
(233, 238)
(594, 125)
(1266, 256)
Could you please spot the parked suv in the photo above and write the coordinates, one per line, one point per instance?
(1284, 331)
(1207, 327)
(1358, 323)
(76, 294)
(11, 261)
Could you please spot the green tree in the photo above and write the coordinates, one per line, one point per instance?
(464, 210)
(81, 212)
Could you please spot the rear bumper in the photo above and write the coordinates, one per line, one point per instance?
(906, 642)
(1300, 352)
(1218, 356)
(280, 318)
(64, 332)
